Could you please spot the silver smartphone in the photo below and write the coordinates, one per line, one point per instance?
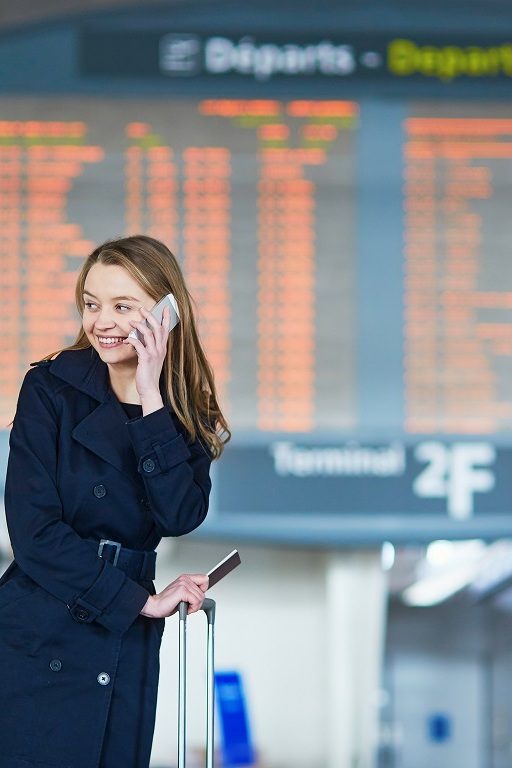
(158, 313)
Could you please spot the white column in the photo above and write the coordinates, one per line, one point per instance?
(355, 627)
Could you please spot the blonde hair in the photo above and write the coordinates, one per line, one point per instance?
(188, 377)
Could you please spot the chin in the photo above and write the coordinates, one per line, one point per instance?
(113, 355)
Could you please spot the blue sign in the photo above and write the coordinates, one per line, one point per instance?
(237, 749)
(439, 727)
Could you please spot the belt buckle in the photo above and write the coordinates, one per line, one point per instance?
(115, 544)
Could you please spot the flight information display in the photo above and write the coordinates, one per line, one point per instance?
(255, 197)
(458, 271)
(350, 267)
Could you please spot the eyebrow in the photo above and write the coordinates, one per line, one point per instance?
(116, 298)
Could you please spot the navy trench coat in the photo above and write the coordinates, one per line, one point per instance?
(79, 665)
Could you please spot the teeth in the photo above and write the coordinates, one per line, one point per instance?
(110, 339)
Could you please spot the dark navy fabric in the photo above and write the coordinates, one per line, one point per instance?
(132, 410)
(78, 663)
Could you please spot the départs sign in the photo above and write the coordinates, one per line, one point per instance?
(185, 55)
(188, 55)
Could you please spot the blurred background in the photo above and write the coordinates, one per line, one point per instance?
(336, 181)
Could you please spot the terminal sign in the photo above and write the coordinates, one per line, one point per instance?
(373, 491)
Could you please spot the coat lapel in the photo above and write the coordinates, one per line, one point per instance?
(104, 433)
(103, 430)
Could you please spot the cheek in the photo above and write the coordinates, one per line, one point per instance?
(87, 324)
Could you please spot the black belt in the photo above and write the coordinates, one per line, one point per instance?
(138, 565)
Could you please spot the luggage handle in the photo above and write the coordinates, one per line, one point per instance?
(209, 609)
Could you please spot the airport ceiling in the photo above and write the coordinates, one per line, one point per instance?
(26, 12)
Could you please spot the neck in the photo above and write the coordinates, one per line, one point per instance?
(122, 382)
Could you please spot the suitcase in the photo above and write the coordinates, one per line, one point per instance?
(209, 609)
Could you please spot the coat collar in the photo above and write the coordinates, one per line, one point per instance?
(102, 431)
(84, 370)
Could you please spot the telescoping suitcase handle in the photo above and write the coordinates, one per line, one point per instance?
(209, 609)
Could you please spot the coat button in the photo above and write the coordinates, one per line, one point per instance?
(56, 665)
(99, 491)
(103, 678)
(148, 465)
(82, 614)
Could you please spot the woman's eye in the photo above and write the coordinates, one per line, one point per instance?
(90, 305)
(123, 308)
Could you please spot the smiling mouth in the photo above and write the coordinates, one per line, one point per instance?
(110, 341)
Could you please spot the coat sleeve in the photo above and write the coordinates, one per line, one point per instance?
(46, 548)
(176, 475)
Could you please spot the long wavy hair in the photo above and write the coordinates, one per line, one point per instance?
(188, 376)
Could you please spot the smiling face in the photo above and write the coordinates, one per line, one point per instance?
(112, 298)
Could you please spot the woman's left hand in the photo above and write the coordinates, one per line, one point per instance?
(151, 354)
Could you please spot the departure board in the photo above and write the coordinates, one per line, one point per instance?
(349, 266)
(458, 271)
(262, 201)
(255, 198)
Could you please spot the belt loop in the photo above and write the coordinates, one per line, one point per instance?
(148, 567)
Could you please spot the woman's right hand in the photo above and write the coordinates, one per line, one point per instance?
(189, 587)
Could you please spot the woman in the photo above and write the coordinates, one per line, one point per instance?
(110, 451)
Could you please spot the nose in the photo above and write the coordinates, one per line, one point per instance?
(104, 318)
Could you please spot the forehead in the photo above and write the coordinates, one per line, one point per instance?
(112, 280)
